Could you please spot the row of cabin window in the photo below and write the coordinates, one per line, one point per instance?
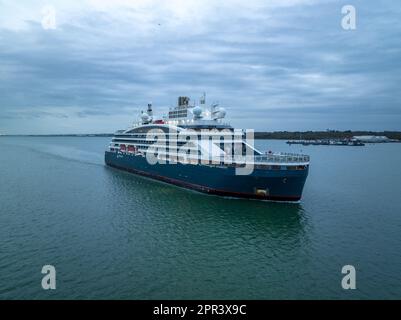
(168, 136)
(178, 143)
(182, 143)
(172, 113)
(167, 148)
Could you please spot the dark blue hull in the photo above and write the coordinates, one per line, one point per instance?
(280, 185)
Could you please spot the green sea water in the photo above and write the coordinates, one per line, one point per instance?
(113, 235)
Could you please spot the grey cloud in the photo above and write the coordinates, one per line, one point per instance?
(284, 63)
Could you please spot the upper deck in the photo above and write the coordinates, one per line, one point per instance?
(202, 132)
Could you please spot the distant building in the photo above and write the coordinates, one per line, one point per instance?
(372, 139)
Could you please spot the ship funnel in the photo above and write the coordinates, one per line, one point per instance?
(150, 110)
(183, 101)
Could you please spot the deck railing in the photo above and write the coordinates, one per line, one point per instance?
(282, 157)
(268, 158)
(279, 158)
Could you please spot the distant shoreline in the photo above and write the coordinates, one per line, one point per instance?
(276, 135)
(59, 135)
(316, 135)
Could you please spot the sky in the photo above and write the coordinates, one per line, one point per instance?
(91, 66)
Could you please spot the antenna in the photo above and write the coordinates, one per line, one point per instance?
(203, 99)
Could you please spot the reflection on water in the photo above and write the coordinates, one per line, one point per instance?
(205, 238)
(266, 217)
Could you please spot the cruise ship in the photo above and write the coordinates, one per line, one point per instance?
(195, 148)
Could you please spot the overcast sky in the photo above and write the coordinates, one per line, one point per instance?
(273, 64)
